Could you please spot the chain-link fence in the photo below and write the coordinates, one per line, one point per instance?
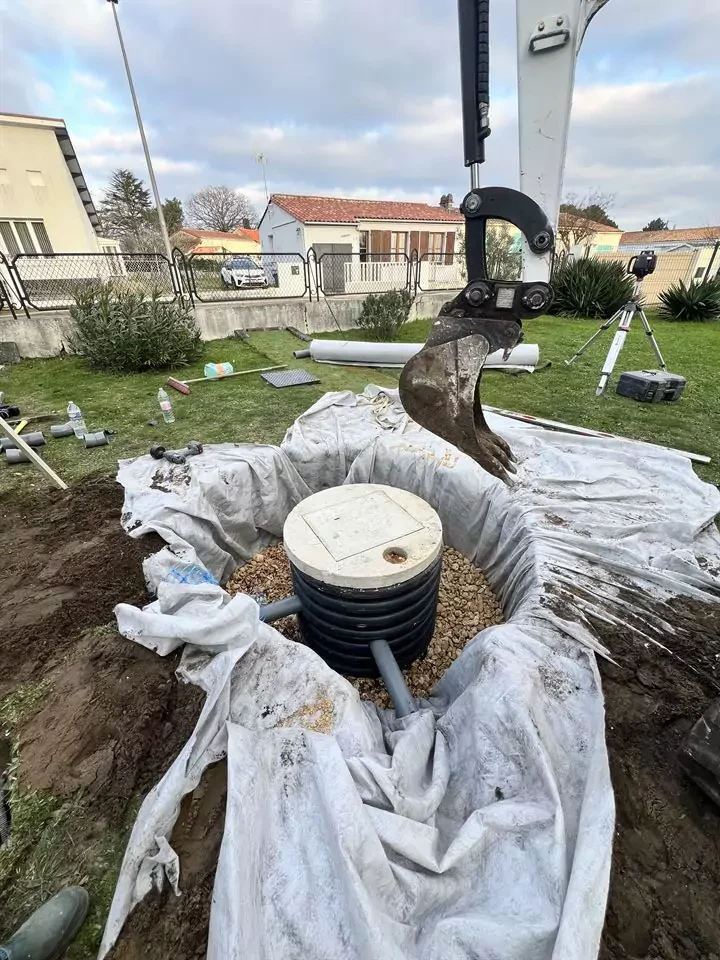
(347, 273)
(49, 282)
(258, 276)
(441, 271)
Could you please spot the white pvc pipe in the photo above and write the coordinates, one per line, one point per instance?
(362, 353)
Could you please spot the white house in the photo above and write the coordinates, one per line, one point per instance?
(45, 204)
(361, 244)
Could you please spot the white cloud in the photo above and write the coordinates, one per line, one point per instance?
(363, 99)
(88, 80)
(100, 105)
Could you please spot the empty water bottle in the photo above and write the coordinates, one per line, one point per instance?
(166, 406)
(77, 421)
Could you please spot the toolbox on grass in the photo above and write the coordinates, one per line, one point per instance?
(651, 386)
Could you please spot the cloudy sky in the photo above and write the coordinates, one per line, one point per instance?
(361, 98)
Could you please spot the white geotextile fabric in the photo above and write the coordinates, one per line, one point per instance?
(480, 826)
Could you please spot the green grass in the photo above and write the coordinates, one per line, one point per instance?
(568, 393)
(238, 410)
(249, 410)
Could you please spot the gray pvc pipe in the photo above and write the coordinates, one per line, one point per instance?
(384, 658)
(16, 456)
(270, 612)
(96, 439)
(301, 354)
(62, 430)
(31, 439)
(393, 678)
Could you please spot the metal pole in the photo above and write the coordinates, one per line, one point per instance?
(151, 172)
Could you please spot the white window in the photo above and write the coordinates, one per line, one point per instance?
(398, 246)
(435, 245)
(24, 236)
(36, 178)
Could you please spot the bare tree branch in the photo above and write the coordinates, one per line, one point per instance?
(221, 209)
(579, 217)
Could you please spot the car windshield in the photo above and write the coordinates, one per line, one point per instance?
(243, 264)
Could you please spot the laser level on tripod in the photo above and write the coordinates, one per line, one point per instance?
(640, 266)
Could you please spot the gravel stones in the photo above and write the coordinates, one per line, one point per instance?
(466, 605)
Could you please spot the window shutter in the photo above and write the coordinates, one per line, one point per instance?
(380, 242)
(449, 247)
(414, 241)
(41, 235)
(8, 238)
(423, 247)
(25, 238)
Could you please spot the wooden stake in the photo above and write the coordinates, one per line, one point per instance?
(32, 456)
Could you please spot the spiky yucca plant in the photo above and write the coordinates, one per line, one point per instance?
(590, 288)
(695, 302)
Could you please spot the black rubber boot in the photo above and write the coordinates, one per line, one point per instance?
(48, 932)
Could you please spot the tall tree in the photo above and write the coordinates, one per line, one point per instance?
(173, 213)
(124, 212)
(503, 251)
(221, 208)
(657, 224)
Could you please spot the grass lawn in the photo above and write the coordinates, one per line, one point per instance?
(249, 410)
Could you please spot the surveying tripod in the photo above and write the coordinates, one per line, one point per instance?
(640, 266)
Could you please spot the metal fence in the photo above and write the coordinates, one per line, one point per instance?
(49, 282)
(441, 271)
(339, 274)
(258, 276)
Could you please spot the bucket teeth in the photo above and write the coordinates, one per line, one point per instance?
(439, 388)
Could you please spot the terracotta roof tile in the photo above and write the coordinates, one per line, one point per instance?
(218, 235)
(567, 220)
(246, 234)
(690, 234)
(339, 210)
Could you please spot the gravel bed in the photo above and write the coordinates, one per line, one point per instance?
(466, 605)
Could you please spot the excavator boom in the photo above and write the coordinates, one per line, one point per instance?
(440, 385)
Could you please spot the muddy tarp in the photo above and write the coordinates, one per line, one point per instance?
(481, 825)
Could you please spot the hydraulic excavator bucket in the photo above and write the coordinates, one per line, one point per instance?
(440, 386)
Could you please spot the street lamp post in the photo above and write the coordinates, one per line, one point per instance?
(151, 172)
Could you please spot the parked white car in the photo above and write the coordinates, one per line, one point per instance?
(243, 272)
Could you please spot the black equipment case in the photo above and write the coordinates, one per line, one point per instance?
(651, 386)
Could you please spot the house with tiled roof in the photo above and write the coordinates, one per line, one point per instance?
(700, 247)
(242, 240)
(359, 240)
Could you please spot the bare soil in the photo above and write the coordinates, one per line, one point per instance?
(116, 716)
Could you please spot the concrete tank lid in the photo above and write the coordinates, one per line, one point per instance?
(363, 535)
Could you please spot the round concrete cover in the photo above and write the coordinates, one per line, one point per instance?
(363, 535)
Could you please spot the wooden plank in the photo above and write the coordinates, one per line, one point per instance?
(32, 456)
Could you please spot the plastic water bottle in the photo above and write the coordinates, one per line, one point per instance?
(77, 420)
(166, 406)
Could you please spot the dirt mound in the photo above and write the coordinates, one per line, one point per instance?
(107, 717)
(168, 926)
(666, 861)
(66, 562)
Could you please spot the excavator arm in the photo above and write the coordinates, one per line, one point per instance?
(440, 385)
